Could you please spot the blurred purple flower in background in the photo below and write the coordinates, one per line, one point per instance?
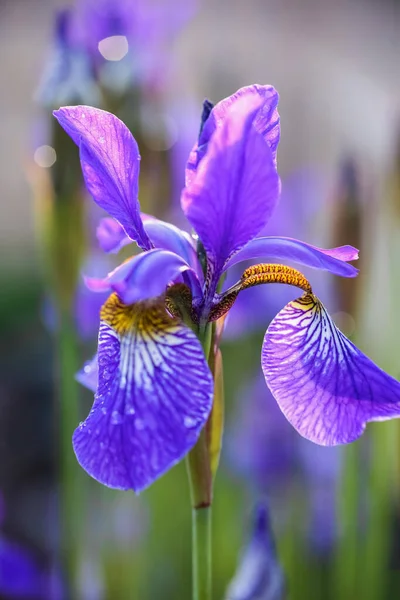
(259, 575)
(21, 575)
(232, 187)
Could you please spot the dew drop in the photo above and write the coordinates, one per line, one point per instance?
(116, 417)
(129, 410)
(139, 424)
(189, 422)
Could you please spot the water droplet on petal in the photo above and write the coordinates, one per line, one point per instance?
(189, 422)
(116, 417)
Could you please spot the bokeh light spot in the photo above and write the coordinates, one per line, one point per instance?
(45, 156)
(114, 47)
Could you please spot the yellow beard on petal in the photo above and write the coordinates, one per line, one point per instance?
(146, 317)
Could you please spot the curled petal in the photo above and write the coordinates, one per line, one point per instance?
(282, 248)
(168, 237)
(110, 164)
(235, 188)
(327, 388)
(89, 374)
(266, 122)
(146, 276)
(154, 396)
(112, 238)
(111, 235)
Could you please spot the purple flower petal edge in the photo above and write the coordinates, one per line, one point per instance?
(325, 386)
(333, 260)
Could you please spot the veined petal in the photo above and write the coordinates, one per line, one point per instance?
(110, 164)
(236, 186)
(146, 276)
(327, 388)
(283, 248)
(154, 396)
(266, 122)
(89, 374)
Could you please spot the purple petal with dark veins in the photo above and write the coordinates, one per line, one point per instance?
(110, 164)
(266, 122)
(236, 186)
(146, 276)
(325, 386)
(154, 396)
(89, 374)
(282, 249)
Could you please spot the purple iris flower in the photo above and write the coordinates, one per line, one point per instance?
(259, 575)
(155, 388)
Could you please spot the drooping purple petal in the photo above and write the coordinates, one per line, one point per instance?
(259, 575)
(146, 276)
(235, 188)
(154, 396)
(89, 374)
(327, 388)
(266, 122)
(110, 164)
(282, 249)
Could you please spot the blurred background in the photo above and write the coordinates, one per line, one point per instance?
(334, 512)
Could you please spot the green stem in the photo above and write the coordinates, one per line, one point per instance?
(202, 564)
(201, 484)
(70, 472)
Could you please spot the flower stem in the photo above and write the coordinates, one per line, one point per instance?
(201, 556)
(201, 485)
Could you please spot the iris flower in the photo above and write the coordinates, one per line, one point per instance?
(155, 389)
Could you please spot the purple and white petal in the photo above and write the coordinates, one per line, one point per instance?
(146, 276)
(89, 374)
(154, 396)
(325, 386)
(110, 164)
(236, 186)
(266, 122)
(333, 260)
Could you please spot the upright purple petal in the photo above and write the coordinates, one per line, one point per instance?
(146, 276)
(266, 121)
(236, 186)
(154, 396)
(110, 164)
(327, 388)
(333, 260)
